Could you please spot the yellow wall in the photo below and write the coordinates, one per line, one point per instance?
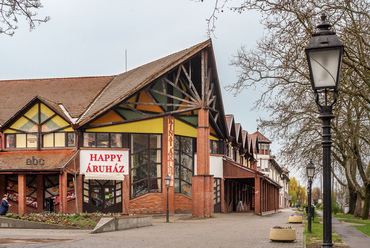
(149, 126)
(145, 126)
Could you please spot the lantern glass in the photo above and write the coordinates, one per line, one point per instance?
(325, 66)
(167, 180)
(310, 170)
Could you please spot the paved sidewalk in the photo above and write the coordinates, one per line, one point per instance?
(349, 235)
(225, 230)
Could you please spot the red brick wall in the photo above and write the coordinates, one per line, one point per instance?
(147, 204)
(183, 204)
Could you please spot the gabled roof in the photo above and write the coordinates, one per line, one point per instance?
(124, 85)
(245, 141)
(82, 99)
(239, 134)
(75, 94)
(230, 127)
(262, 138)
(55, 107)
(254, 139)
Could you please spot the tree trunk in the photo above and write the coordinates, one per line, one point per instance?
(352, 202)
(358, 209)
(365, 211)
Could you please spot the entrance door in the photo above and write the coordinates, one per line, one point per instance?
(102, 196)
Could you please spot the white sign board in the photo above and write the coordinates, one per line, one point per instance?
(104, 164)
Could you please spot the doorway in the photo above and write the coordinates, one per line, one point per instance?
(103, 196)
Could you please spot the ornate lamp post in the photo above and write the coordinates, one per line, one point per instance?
(310, 174)
(324, 54)
(167, 182)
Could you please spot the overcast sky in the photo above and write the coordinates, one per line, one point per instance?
(89, 38)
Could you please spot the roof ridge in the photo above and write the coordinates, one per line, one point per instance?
(56, 78)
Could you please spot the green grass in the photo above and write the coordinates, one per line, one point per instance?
(316, 235)
(365, 224)
(365, 229)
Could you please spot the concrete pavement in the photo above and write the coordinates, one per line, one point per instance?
(225, 230)
(349, 235)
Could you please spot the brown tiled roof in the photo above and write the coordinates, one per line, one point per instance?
(75, 94)
(52, 160)
(87, 97)
(124, 85)
(262, 138)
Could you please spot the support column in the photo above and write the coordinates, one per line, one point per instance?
(2, 185)
(63, 192)
(40, 193)
(21, 194)
(126, 195)
(202, 197)
(79, 193)
(168, 162)
(257, 195)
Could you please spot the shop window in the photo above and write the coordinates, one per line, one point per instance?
(102, 140)
(51, 190)
(31, 189)
(102, 194)
(146, 168)
(184, 165)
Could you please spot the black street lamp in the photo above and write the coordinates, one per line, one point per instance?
(167, 182)
(324, 54)
(310, 174)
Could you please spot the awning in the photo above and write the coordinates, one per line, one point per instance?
(236, 170)
(35, 161)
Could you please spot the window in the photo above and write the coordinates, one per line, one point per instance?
(184, 164)
(59, 140)
(214, 147)
(146, 168)
(39, 127)
(102, 140)
(217, 190)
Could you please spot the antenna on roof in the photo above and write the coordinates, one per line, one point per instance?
(126, 60)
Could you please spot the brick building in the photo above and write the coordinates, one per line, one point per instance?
(106, 143)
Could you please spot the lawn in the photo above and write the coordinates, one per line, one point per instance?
(362, 225)
(316, 235)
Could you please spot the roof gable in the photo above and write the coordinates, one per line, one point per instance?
(75, 94)
(126, 84)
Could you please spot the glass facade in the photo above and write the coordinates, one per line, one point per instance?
(184, 164)
(146, 167)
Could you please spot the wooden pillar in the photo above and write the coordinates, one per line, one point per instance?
(40, 193)
(257, 195)
(21, 194)
(79, 193)
(2, 185)
(63, 192)
(126, 195)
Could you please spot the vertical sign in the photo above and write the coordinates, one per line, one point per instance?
(171, 150)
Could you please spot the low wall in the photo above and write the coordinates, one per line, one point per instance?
(111, 224)
(25, 224)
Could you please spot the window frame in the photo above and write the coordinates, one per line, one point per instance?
(96, 139)
(179, 164)
(148, 163)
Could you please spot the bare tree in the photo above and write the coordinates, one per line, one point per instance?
(278, 64)
(12, 10)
